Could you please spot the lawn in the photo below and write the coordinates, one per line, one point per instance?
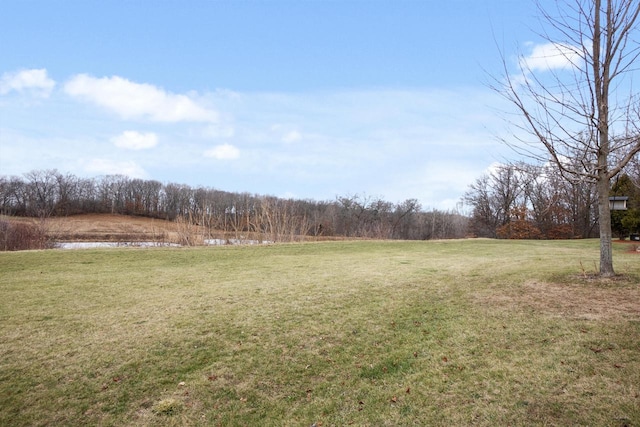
(365, 333)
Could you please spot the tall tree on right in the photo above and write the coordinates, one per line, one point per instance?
(575, 98)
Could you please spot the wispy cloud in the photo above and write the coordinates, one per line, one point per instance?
(34, 81)
(132, 100)
(133, 140)
(291, 136)
(111, 167)
(398, 143)
(286, 134)
(419, 143)
(223, 152)
(217, 131)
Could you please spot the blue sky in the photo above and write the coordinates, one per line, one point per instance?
(306, 99)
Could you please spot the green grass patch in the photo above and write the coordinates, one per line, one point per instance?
(470, 332)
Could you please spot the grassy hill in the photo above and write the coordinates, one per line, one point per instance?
(125, 228)
(106, 228)
(467, 332)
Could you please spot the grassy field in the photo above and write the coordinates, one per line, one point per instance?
(472, 332)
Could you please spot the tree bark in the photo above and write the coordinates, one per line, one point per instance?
(604, 219)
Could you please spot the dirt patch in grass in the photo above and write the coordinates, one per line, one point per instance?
(575, 300)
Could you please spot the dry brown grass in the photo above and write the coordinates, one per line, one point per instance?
(572, 300)
(105, 227)
(125, 228)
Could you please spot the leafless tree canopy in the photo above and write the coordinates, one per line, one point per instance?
(580, 90)
(552, 207)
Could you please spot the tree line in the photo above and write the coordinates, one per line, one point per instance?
(516, 201)
(524, 201)
(47, 193)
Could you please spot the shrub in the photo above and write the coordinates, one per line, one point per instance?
(16, 236)
(561, 231)
(519, 229)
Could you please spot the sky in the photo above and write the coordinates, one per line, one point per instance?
(309, 99)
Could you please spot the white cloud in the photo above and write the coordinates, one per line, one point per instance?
(437, 184)
(133, 140)
(223, 152)
(292, 136)
(552, 56)
(35, 81)
(494, 168)
(110, 167)
(132, 100)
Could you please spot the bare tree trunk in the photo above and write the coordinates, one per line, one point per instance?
(604, 220)
(601, 75)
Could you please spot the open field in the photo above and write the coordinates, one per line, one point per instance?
(367, 333)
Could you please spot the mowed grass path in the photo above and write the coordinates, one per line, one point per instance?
(472, 332)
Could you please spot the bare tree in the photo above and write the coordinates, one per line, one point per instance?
(492, 197)
(576, 98)
(42, 186)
